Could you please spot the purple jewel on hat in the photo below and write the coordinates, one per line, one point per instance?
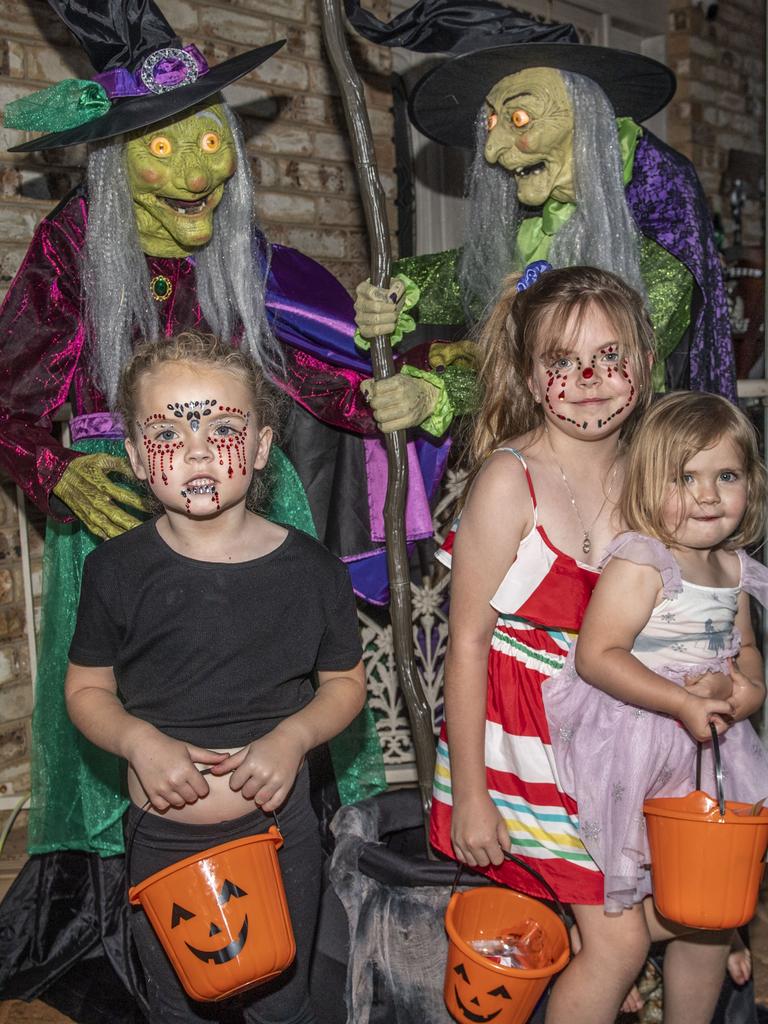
(142, 67)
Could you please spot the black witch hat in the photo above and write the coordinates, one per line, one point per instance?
(486, 42)
(144, 75)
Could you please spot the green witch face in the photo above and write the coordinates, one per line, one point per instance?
(177, 172)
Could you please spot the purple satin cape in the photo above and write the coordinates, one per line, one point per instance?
(43, 364)
(669, 206)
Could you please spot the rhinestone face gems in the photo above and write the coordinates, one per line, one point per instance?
(193, 411)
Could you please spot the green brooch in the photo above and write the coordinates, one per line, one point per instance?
(161, 287)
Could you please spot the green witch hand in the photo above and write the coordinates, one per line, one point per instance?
(87, 490)
(401, 401)
(385, 310)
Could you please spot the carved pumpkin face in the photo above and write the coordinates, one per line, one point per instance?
(471, 1000)
(221, 954)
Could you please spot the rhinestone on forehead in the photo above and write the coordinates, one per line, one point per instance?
(172, 64)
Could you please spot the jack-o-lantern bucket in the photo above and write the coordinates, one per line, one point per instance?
(477, 988)
(707, 856)
(221, 916)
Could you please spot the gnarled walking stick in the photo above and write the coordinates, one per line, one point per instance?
(372, 195)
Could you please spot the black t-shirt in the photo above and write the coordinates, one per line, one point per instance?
(214, 653)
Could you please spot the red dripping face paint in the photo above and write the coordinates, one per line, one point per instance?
(158, 450)
(232, 445)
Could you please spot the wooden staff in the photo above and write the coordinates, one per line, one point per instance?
(372, 194)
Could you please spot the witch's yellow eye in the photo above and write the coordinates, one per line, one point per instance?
(160, 146)
(492, 119)
(210, 142)
(520, 118)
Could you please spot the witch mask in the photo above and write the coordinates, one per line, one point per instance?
(177, 173)
(530, 134)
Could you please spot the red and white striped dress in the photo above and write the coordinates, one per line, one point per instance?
(541, 602)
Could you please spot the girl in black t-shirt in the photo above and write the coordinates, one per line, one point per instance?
(197, 639)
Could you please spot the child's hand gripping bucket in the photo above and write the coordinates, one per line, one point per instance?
(221, 916)
(707, 857)
(478, 989)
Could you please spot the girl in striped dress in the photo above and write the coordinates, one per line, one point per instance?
(566, 370)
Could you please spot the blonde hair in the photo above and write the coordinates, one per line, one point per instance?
(675, 429)
(204, 350)
(525, 325)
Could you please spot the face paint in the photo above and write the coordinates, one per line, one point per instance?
(530, 134)
(233, 443)
(197, 452)
(158, 449)
(587, 387)
(177, 173)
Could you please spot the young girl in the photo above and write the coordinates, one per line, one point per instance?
(671, 604)
(566, 370)
(197, 638)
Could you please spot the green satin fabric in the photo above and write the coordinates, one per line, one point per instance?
(78, 790)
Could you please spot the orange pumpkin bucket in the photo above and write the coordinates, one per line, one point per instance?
(476, 987)
(707, 856)
(222, 916)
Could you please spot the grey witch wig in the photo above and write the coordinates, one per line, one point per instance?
(228, 271)
(601, 231)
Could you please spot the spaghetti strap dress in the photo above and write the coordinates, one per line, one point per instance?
(611, 756)
(540, 603)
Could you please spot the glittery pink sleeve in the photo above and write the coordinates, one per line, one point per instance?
(330, 393)
(41, 338)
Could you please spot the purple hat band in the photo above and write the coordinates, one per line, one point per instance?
(162, 71)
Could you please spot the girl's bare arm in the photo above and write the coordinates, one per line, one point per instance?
(495, 518)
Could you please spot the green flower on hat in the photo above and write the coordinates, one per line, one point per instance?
(66, 105)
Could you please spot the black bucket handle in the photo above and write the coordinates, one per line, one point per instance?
(559, 908)
(718, 767)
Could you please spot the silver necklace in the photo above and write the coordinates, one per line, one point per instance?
(586, 546)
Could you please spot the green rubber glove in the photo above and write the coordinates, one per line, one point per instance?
(87, 490)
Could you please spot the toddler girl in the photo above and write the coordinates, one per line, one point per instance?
(671, 604)
(198, 637)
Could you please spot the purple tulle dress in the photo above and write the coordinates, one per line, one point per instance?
(611, 756)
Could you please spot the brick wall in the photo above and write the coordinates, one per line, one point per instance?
(719, 104)
(307, 198)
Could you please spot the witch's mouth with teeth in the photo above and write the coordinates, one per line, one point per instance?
(187, 207)
(525, 172)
